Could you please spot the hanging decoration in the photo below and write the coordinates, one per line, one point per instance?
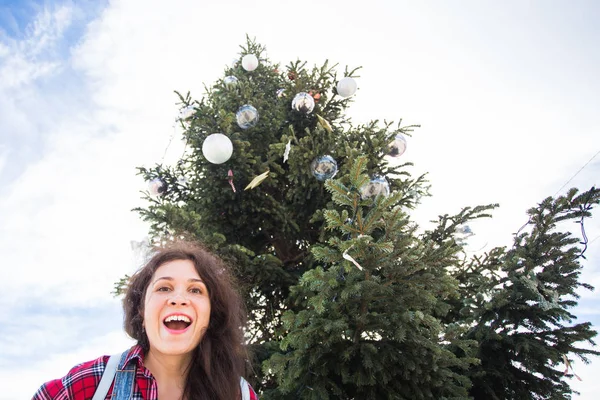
(324, 167)
(280, 93)
(346, 87)
(377, 186)
(217, 148)
(257, 180)
(348, 257)
(249, 62)
(246, 116)
(325, 124)
(230, 179)
(397, 147)
(303, 102)
(286, 153)
(569, 366)
(157, 187)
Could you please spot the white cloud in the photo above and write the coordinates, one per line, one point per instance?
(22, 383)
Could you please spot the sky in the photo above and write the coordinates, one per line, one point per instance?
(506, 94)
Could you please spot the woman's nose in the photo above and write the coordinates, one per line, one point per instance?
(178, 299)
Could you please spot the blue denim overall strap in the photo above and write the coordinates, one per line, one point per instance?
(124, 379)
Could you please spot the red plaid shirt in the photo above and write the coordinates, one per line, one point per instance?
(81, 381)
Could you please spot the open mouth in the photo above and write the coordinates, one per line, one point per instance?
(177, 322)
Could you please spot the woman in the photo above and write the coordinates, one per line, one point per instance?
(187, 319)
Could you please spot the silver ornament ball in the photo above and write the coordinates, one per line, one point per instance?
(303, 102)
(324, 167)
(156, 187)
(186, 112)
(230, 81)
(397, 147)
(377, 186)
(246, 116)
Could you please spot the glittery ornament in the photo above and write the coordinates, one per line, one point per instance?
(398, 146)
(324, 167)
(230, 81)
(280, 93)
(292, 75)
(217, 148)
(249, 62)
(157, 186)
(246, 116)
(376, 187)
(303, 102)
(346, 87)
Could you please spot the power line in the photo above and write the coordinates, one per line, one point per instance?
(576, 173)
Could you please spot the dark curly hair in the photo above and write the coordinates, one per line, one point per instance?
(218, 361)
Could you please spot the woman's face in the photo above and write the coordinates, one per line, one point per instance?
(176, 308)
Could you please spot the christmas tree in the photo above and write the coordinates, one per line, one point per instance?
(346, 297)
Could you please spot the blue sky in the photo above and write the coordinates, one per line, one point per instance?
(39, 36)
(506, 93)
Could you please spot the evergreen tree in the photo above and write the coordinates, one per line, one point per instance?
(519, 306)
(345, 298)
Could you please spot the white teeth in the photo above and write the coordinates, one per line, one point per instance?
(178, 318)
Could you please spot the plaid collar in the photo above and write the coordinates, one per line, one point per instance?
(135, 353)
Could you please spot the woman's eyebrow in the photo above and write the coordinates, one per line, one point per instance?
(169, 278)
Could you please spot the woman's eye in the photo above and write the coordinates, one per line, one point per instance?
(196, 290)
(163, 289)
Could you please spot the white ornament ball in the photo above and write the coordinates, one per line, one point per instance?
(217, 148)
(398, 146)
(249, 62)
(346, 87)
